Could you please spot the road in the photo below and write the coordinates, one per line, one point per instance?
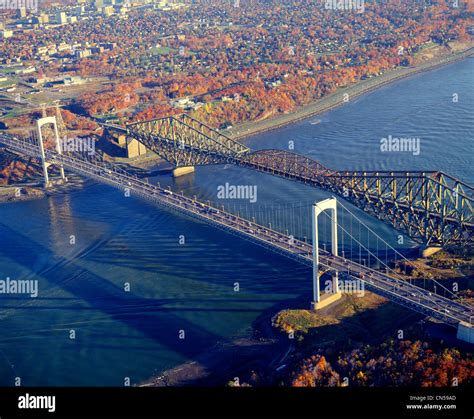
(388, 285)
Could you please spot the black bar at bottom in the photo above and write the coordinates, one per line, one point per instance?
(291, 402)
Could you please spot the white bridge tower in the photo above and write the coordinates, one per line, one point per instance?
(318, 208)
(51, 120)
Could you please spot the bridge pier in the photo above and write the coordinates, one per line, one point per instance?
(328, 298)
(465, 332)
(181, 171)
(427, 251)
(134, 148)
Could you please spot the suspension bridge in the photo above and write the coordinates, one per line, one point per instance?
(339, 263)
(430, 207)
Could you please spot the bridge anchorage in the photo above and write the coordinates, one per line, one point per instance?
(359, 261)
(430, 207)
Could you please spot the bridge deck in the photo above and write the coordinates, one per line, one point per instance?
(397, 290)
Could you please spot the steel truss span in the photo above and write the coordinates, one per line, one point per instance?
(184, 141)
(397, 290)
(430, 207)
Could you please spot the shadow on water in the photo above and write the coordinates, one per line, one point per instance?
(104, 296)
(370, 326)
(148, 316)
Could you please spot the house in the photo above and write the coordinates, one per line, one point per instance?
(70, 80)
(273, 83)
(40, 79)
(6, 34)
(182, 103)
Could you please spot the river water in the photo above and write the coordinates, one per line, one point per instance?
(121, 283)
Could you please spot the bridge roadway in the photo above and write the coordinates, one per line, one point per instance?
(395, 289)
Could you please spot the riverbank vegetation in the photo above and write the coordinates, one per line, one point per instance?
(14, 169)
(392, 363)
(369, 341)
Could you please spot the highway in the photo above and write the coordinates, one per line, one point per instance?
(387, 285)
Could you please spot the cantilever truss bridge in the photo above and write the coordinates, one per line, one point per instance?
(431, 207)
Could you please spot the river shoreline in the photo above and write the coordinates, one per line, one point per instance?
(334, 100)
(248, 129)
(19, 193)
(264, 349)
(224, 356)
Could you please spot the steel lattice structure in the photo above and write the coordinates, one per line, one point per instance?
(287, 164)
(430, 207)
(388, 285)
(184, 141)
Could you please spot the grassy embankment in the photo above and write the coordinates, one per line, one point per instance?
(368, 318)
